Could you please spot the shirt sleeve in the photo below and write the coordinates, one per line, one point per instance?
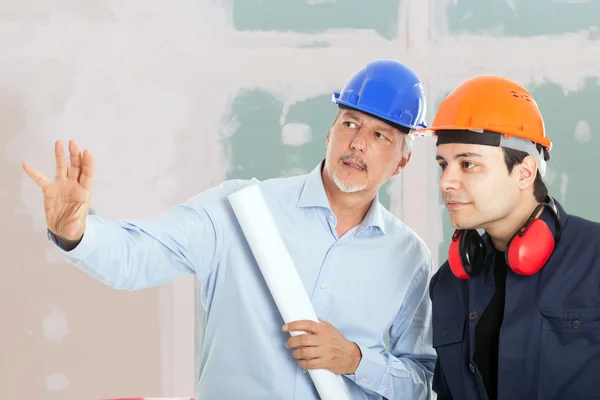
(135, 254)
(405, 371)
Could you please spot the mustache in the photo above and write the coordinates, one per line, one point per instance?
(450, 198)
(352, 156)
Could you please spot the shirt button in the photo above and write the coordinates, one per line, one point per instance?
(473, 315)
(363, 380)
(576, 324)
(304, 371)
(331, 216)
(324, 286)
(472, 368)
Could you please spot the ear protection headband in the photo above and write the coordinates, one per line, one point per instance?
(526, 252)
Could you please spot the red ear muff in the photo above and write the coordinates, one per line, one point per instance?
(454, 256)
(531, 247)
(466, 254)
(526, 252)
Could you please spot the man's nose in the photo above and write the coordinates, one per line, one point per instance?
(359, 141)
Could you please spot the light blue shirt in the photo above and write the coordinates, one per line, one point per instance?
(370, 281)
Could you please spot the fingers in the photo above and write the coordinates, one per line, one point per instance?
(87, 170)
(306, 353)
(39, 178)
(314, 363)
(302, 341)
(75, 155)
(302, 325)
(82, 167)
(61, 161)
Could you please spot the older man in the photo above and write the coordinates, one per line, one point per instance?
(365, 271)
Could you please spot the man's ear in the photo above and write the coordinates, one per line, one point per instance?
(402, 164)
(527, 171)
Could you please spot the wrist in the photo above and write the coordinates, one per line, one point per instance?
(67, 244)
(355, 355)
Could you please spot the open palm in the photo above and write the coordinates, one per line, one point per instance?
(67, 197)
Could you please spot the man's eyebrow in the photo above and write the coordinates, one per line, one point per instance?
(379, 127)
(351, 115)
(383, 128)
(459, 155)
(467, 154)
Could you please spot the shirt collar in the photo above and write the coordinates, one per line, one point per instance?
(313, 195)
(313, 192)
(374, 217)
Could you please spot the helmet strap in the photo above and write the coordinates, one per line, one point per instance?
(489, 138)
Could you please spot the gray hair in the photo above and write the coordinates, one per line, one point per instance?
(409, 142)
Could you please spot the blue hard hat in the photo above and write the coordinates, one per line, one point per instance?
(388, 90)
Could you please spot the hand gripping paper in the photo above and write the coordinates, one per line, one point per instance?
(281, 275)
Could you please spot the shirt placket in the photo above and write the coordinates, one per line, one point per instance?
(321, 297)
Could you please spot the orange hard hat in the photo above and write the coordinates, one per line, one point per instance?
(493, 104)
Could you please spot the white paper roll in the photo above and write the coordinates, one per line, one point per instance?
(281, 275)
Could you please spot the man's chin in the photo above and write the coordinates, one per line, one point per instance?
(462, 224)
(348, 186)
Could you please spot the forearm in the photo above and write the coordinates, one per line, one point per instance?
(123, 255)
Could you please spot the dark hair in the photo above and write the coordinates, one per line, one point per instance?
(515, 157)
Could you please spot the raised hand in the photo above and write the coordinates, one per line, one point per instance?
(67, 197)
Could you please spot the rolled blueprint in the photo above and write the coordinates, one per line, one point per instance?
(281, 275)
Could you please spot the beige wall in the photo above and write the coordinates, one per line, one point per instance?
(67, 336)
(64, 335)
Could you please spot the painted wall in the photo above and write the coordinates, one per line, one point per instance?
(174, 97)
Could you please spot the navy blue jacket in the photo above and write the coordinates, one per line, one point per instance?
(550, 336)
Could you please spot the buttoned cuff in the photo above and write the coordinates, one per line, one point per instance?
(85, 247)
(370, 370)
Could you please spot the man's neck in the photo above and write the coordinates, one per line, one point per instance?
(501, 231)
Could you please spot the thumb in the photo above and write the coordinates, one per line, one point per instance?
(36, 176)
(75, 226)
